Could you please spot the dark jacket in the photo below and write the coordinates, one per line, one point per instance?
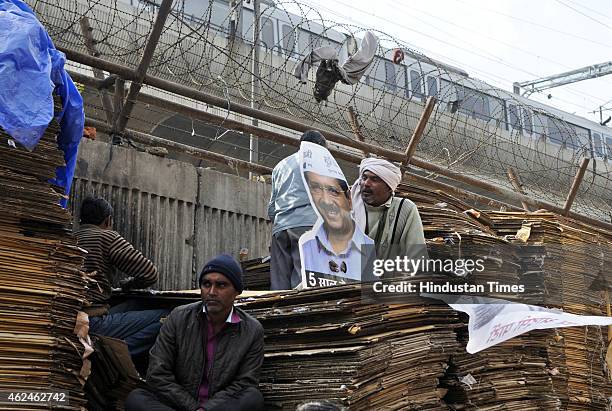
(177, 359)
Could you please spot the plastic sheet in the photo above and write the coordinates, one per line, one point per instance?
(31, 69)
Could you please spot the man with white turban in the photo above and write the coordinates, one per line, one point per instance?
(392, 222)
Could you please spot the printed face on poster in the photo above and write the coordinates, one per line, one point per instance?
(333, 251)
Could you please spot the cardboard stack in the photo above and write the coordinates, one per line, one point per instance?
(330, 344)
(41, 287)
(572, 261)
(514, 374)
(563, 264)
(256, 273)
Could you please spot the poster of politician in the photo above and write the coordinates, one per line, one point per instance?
(335, 251)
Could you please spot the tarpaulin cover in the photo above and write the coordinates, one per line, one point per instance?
(31, 68)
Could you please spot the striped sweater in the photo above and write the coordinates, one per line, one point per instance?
(107, 250)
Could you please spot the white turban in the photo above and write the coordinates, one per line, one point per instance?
(388, 172)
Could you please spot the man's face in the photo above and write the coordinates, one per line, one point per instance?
(374, 191)
(218, 293)
(331, 201)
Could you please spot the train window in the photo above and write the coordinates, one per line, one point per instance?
(597, 145)
(540, 122)
(218, 12)
(513, 117)
(527, 124)
(567, 135)
(473, 103)
(557, 132)
(608, 142)
(415, 84)
(390, 76)
(267, 32)
(448, 93)
(332, 43)
(288, 39)
(582, 139)
(432, 86)
(304, 46)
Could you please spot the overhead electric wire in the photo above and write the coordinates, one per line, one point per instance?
(509, 45)
(584, 14)
(535, 24)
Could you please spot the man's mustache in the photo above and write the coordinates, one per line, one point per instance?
(329, 208)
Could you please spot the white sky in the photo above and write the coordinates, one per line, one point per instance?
(500, 41)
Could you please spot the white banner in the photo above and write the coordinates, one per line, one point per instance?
(493, 321)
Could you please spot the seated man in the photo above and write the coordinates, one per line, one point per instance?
(108, 251)
(393, 222)
(208, 354)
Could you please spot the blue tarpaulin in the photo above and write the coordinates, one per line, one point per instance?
(31, 69)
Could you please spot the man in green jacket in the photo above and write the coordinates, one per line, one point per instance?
(208, 354)
(392, 222)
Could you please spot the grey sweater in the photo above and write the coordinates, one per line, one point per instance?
(402, 230)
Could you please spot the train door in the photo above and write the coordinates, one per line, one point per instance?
(267, 33)
(432, 86)
(416, 85)
(267, 37)
(286, 34)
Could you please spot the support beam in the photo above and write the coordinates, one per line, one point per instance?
(184, 91)
(255, 83)
(243, 127)
(194, 152)
(118, 100)
(141, 70)
(574, 189)
(518, 186)
(90, 43)
(356, 127)
(459, 192)
(419, 130)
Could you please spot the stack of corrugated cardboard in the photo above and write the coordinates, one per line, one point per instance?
(331, 344)
(256, 273)
(41, 287)
(572, 261)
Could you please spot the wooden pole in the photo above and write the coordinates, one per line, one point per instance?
(518, 186)
(141, 71)
(418, 131)
(90, 43)
(574, 190)
(356, 127)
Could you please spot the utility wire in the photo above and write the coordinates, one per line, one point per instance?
(535, 24)
(585, 15)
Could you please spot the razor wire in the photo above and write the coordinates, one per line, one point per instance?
(475, 129)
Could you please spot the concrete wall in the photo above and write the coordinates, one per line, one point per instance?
(176, 214)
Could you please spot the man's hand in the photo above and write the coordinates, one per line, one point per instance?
(126, 283)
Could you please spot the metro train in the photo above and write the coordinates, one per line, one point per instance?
(414, 78)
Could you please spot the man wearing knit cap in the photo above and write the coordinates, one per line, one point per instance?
(208, 354)
(394, 223)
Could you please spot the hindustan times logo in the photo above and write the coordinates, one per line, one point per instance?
(410, 266)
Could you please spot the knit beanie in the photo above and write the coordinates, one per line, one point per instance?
(228, 266)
